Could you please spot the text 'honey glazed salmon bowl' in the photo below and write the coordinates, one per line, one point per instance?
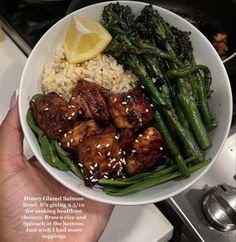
(125, 103)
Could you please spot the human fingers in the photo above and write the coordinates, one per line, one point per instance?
(11, 135)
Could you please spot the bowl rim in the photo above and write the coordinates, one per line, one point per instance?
(104, 199)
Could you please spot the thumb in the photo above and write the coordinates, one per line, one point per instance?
(11, 136)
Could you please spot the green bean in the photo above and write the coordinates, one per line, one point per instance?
(151, 182)
(175, 153)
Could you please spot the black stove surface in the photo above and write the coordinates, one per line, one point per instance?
(31, 19)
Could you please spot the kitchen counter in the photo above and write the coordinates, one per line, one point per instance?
(12, 64)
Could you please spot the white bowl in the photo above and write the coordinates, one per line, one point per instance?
(220, 102)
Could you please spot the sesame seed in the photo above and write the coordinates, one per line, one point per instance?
(124, 153)
(154, 80)
(112, 160)
(69, 106)
(151, 105)
(65, 135)
(119, 152)
(105, 177)
(82, 171)
(124, 103)
(127, 110)
(73, 106)
(142, 87)
(147, 110)
(73, 114)
(107, 145)
(136, 141)
(140, 120)
(91, 177)
(106, 173)
(68, 144)
(70, 132)
(94, 180)
(108, 153)
(123, 177)
(140, 135)
(72, 98)
(109, 164)
(96, 164)
(117, 136)
(71, 140)
(80, 112)
(128, 96)
(99, 153)
(133, 151)
(45, 109)
(81, 165)
(114, 166)
(98, 146)
(91, 167)
(59, 144)
(114, 100)
(32, 100)
(161, 148)
(91, 172)
(69, 118)
(59, 130)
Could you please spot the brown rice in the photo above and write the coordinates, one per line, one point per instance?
(60, 76)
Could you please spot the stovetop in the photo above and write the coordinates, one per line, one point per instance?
(32, 19)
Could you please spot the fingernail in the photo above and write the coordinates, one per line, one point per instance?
(17, 92)
(14, 99)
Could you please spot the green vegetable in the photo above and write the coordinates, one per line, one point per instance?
(65, 157)
(173, 148)
(163, 30)
(150, 182)
(150, 30)
(201, 82)
(115, 20)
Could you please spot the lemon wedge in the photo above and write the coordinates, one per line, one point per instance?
(85, 40)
